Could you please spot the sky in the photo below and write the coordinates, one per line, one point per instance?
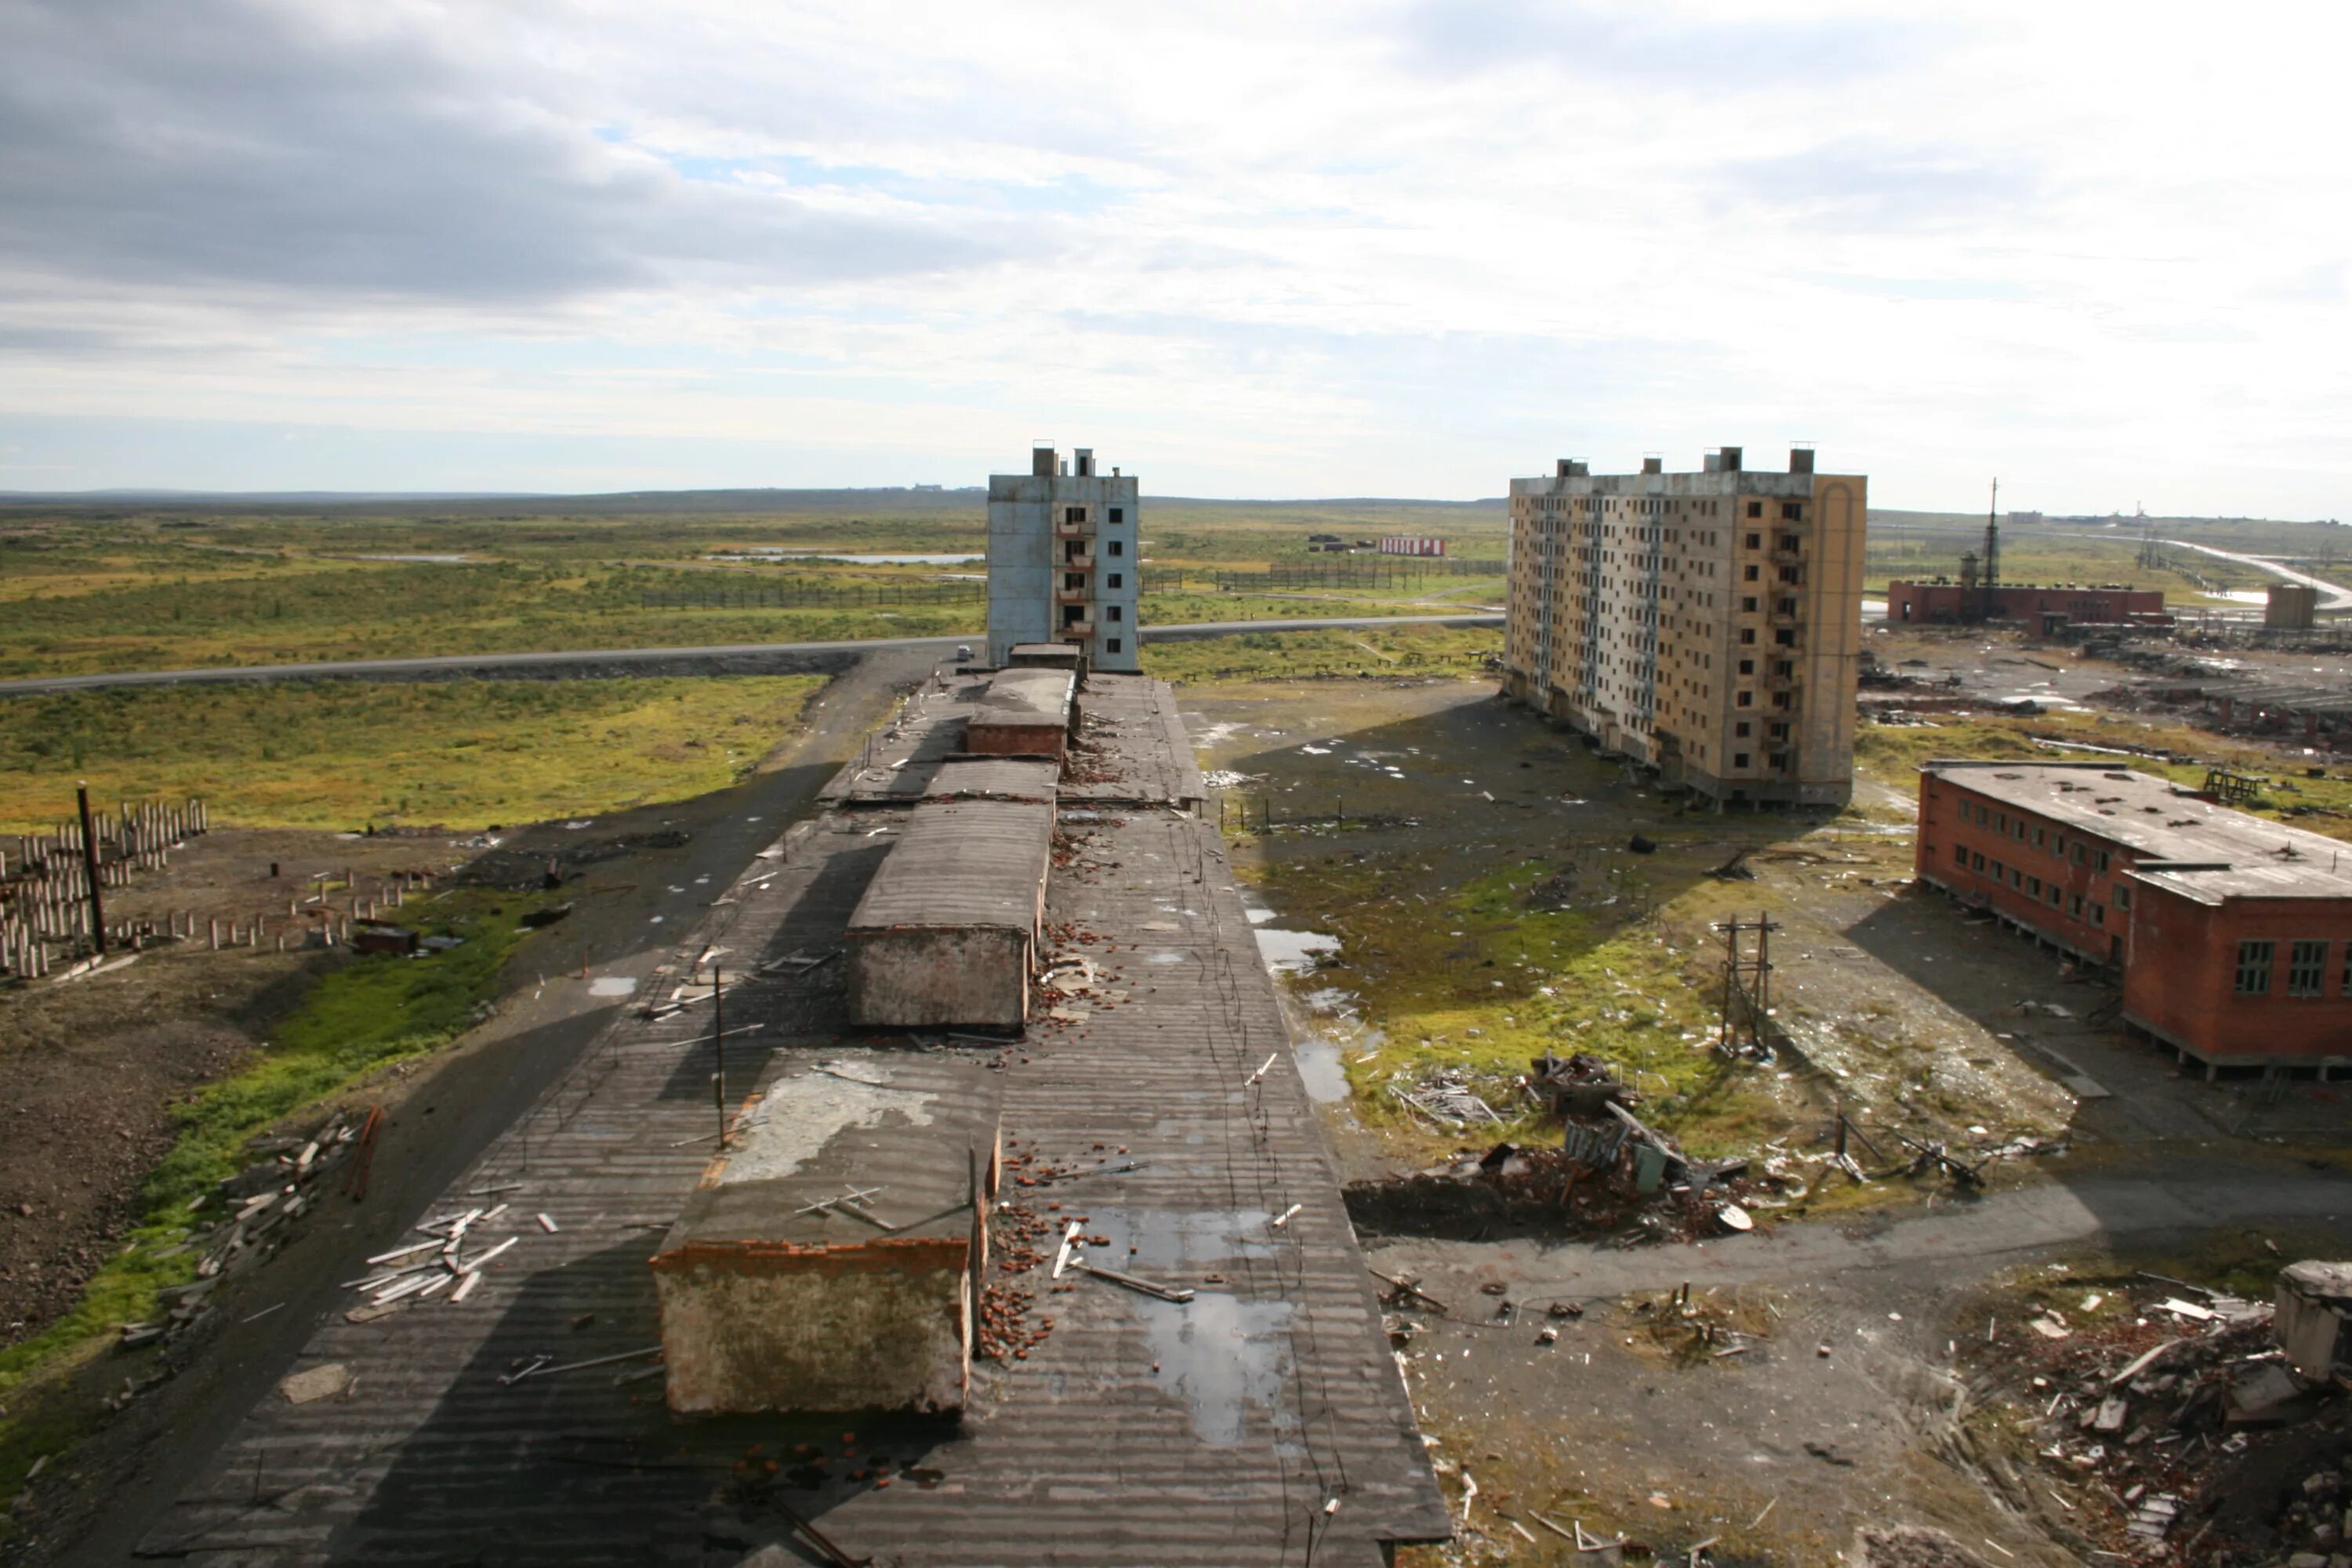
(1401, 248)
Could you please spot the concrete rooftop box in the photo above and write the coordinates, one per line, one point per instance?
(2313, 1302)
(779, 1291)
(995, 778)
(946, 933)
(1067, 656)
(1025, 713)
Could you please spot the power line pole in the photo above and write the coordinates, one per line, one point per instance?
(89, 868)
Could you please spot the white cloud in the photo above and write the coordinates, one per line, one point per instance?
(1310, 249)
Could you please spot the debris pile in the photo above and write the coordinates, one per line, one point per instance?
(421, 1270)
(2174, 1427)
(253, 1212)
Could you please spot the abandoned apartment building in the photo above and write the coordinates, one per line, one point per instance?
(2231, 936)
(1063, 565)
(2044, 609)
(1707, 625)
(952, 1197)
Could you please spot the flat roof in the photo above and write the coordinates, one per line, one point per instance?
(827, 1122)
(962, 863)
(994, 778)
(2214, 852)
(1028, 697)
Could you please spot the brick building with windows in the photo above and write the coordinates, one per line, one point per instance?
(2232, 934)
(1706, 624)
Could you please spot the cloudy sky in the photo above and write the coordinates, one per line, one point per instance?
(1397, 248)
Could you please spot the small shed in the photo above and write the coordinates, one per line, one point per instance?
(380, 936)
(946, 934)
(2314, 1300)
(829, 1262)
(1025, 713)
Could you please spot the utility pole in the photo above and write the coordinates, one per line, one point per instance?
(719, 1051)
(89, 866)
(1746, 978)
(1992, 553)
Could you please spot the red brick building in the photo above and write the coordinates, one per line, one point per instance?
(2026, 603)
(2232, 934)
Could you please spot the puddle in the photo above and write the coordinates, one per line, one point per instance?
(1258, 917)
(612, 985)
(1217, 1354)
(1293, 951)
(1220, 1355)
(1320, 1069)
(1166, 958)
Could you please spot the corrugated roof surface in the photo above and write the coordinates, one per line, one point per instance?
(962, 863)
(1138, 1432)
(2151, 818)
(1133, 748)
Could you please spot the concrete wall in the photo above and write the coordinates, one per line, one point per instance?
(997, 739)
(885, 1326)
(914, 978)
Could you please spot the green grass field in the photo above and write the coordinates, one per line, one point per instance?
(340, 754)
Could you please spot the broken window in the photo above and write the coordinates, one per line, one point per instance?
(1739, 759)
(2255, 968)
(1117, 548)
(2306, 965)
(1117, 580)
(1748, 699)
(1074, 514)
(1747, 667)
(1116, 613)
(1754, 573)
(2099, 914)
(1111, 646)
(1119, 515)
(1793, 511)
(1755, 509)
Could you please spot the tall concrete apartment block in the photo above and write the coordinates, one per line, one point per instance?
(1062, 564)
(1706, 625)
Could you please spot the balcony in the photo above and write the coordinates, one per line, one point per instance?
(1069, 630)
(1073, 596)
(1083, 561)
(1066, 529)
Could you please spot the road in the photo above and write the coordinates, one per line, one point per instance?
(2022, 1220)
(610, 661)
(2333, 595)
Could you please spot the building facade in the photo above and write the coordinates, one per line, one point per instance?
(2232, 934)
(1062, 563)
(2033, 605)
(1706, 625)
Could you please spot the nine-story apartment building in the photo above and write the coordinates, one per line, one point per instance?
(1708, 625)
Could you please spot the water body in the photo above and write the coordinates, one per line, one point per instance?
(1293, 951)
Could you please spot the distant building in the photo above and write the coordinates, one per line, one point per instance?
(2232, 934)
(1062, 564)
(1708, 625)
(1403, 545)
(2292, 607)
(2031, 605)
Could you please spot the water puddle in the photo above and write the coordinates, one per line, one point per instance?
(612, 985)
(1293, 951)
(1320, 1069)
(1220, 1355)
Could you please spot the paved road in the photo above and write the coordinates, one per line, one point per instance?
(2332, 595)
(616, 660)
(2022, 1220)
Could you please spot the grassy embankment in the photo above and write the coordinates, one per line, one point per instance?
(1410, 652)
(360, 1016)
(339, 754)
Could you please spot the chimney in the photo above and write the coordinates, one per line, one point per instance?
(1800, 460)
(1085, 462)
(1731, 459)
(1654, 465)
(1041, 461)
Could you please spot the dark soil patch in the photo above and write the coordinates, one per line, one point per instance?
(87, 1082)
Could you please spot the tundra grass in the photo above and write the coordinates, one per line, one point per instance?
(342, 754)
(1482, 976)
(361, 1015)
(1409, 652)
